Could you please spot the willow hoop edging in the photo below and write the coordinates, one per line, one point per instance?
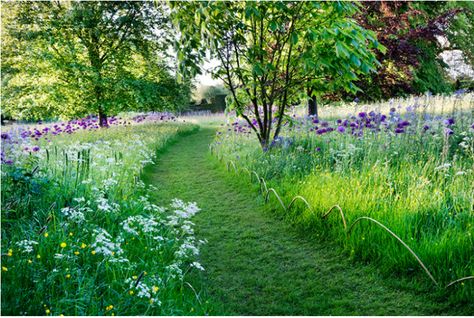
(271, 190)
(325, 215)
(459, 280)
(264, 185)
(299, 197)
(266, 194)
(398, 239)
(252, 174)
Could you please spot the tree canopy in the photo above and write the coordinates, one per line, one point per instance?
(271, 52)
(73, 58)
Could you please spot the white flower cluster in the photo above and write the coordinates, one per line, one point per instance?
(74, 214)
(104, 245)
(26, 246)
(104, 205)
(182, 211)
(145, 288)
(134, 224)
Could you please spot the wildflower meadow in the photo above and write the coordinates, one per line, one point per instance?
(84, 237)
(237, 158)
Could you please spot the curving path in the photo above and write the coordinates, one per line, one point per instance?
(257, 264)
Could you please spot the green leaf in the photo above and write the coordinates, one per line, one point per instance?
(341, 50)
(355, 60)
(273, 25)
(257, 69)
(294, 38)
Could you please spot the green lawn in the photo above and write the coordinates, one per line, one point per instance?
(257, 264)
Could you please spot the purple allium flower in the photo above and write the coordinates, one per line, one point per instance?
(448, 131)
(399, 130)
(5, 136)
(382, 118)
(338, 121)
(315, 121)
(362, 115)
(426, 127)
(318, 149)
(341, 129)
(36, 148)
(325, 124)
(356, 100)
(392, 110)
(321, 131)
(403, 124)
(449, 122)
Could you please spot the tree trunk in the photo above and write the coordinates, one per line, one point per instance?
(102, 118)
(312, 106)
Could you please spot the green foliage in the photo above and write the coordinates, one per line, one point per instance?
(270, 51)
(416, 183)
(429, 76)
(67, 59)
(82, 235)
(277, 269)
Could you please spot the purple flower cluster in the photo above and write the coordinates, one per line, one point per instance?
(367, 123)
(89, 123)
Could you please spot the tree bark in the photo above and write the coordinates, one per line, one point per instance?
(312, 106)
(102, 118)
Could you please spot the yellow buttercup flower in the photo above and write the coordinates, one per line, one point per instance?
(63, 244)
(83, 245)
(109, 307)
(10, 252)
(135, 277)
(93, 252)
(131, 292)
(4, 269)
(68, 275)
(38, 256)
(76, 253)
(46, 234)
(30, 261)
(155, 289)
(71, 234)
(47, 311)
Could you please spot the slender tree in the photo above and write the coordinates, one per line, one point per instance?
(269, 52)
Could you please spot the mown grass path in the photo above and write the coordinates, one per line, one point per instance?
(257, 264)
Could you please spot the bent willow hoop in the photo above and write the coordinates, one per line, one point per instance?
(398, 239)
(340, 211)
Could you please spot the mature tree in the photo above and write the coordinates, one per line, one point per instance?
(270, 51)
(79, 57)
